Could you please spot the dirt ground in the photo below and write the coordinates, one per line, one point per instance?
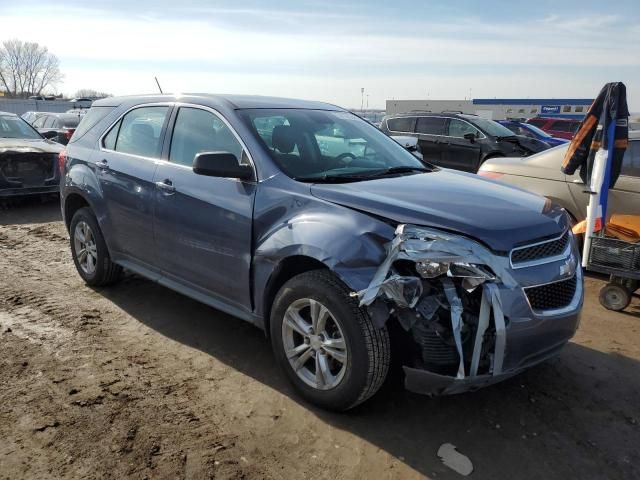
(135, 381)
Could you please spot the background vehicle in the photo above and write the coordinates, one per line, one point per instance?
(58, 127)
(556, 127)
(529, 130)
(541, 174)
(31, 117)
(300, 200)
(460, 141)
(28, 163)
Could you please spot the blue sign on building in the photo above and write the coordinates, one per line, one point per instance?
(549, 109)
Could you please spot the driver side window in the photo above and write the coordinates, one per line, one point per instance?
(198, 131)
(458, 128)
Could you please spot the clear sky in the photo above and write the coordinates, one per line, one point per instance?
(328, 50)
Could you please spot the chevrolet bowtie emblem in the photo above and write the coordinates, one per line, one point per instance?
(569, 268)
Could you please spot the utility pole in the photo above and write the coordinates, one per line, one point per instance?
(362, 99)
(367, 101)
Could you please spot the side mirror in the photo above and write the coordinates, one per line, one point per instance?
(50, 134)
(221, 164)
(470, 136)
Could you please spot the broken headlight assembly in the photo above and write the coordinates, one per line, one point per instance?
(457, 329)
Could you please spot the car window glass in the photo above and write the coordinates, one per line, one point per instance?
(402, 124)
(48, 122)
(313, 143)
(198, 131)
(562, 126)
(90, 119)
(537, 123)
(109, 141)
(140, 130)
(15, 127)
(458, 128)
(430, 125)
(39, 123)
(631, 161)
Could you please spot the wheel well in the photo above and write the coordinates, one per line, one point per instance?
(72, 204)
(286, 270)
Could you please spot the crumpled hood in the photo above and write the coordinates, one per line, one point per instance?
(25, 145)
(498, 215)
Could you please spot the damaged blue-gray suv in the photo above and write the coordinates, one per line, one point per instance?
(310, 223)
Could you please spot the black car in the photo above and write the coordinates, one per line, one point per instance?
(460, 141)
(58, 127)
(28, 162)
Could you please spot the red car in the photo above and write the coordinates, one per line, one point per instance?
(556, 127)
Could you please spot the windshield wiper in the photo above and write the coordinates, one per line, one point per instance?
(332, 178)
(395, 170)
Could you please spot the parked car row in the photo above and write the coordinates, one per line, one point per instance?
(460, 141)
(341, 243)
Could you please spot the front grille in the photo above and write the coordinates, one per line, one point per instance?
(552, 295)
(28, 169)
(540, 251)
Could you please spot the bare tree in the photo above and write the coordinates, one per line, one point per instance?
(27, 68)
(91, 93)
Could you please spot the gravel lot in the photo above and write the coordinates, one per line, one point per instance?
(135, 381)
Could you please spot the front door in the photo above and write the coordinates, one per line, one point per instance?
(125, 166)
(433, 144)
(624, 198)
(462, 153)
(203, 225)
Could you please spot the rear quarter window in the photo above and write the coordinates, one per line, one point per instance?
(90, 120)
(402, 124)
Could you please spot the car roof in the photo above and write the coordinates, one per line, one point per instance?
(10, 114)
(235, 102)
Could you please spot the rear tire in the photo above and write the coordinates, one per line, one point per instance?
(89, 251)
(303, 345)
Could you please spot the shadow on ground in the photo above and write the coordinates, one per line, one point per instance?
(35, 209)
(575, 416)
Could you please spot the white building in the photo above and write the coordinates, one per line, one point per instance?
(497, 108)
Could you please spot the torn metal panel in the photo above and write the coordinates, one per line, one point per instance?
(427, 245)
(439, 259)
(456, 320)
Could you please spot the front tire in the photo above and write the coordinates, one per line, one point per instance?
(326, 344)
(89, 250)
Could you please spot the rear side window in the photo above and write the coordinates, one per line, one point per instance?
(138, 132)
(631, 161)
(402, 124)
(198, 131)
(90, 120)
(563, 127)
(430, 125)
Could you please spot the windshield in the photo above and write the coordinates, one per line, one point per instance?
(489, 126)
(313, 145)
(540, 132)
(15, 127)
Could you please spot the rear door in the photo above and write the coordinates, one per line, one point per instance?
(430, 133)
(203, 225)
(125, 166)
(461, 153)
(624, 198)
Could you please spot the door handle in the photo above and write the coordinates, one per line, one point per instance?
(102, 165)
(166, 186)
